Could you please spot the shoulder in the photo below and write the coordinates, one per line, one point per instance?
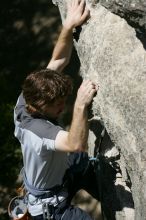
(20, 102)
(37, 133)
(41, 134)
(43, 128)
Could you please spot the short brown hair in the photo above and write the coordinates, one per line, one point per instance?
(43, 87)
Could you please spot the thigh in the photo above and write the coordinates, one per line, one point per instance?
(77, 164)
(90, 181)
(82, 174)
(73, 213)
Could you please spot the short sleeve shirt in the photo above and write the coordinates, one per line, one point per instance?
(44, 166)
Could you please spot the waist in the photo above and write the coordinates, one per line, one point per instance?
(53, 198)
(35, 204)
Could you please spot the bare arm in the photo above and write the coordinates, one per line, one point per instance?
(76, 15)
(62, 51)
(76, 138)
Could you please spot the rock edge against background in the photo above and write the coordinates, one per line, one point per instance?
(111, 54)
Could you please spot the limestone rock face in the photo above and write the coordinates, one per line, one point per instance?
(112, 56)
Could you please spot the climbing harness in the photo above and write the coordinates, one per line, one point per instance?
(17, 208)
(48, 211)
(39, 194)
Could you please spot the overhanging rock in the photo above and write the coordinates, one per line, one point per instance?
(133, 10)
(112, 56)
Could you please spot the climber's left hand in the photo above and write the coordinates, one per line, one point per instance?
(77, 13)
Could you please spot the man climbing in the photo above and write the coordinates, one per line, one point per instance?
(51, 175)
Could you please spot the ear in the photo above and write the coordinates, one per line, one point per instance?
(30, 109)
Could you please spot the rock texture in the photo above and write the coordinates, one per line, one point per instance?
(133, 11)
(111, 54)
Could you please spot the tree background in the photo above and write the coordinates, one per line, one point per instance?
(28, 32)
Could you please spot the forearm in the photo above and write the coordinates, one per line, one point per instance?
(78, 134)
(62, 51)
(76, 138)
(77, 13)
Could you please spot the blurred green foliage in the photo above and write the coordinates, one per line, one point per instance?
(10, 156)
(28, 31)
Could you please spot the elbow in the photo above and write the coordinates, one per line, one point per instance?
(58, 64)
(75, 148)
(74, 145)
(78, 148)
(64, 62)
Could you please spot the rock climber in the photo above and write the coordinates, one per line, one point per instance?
(56, 164)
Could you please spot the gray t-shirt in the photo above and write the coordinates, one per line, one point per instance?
(44, 166)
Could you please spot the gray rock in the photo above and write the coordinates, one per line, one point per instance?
(111, 55)
(132, 10)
